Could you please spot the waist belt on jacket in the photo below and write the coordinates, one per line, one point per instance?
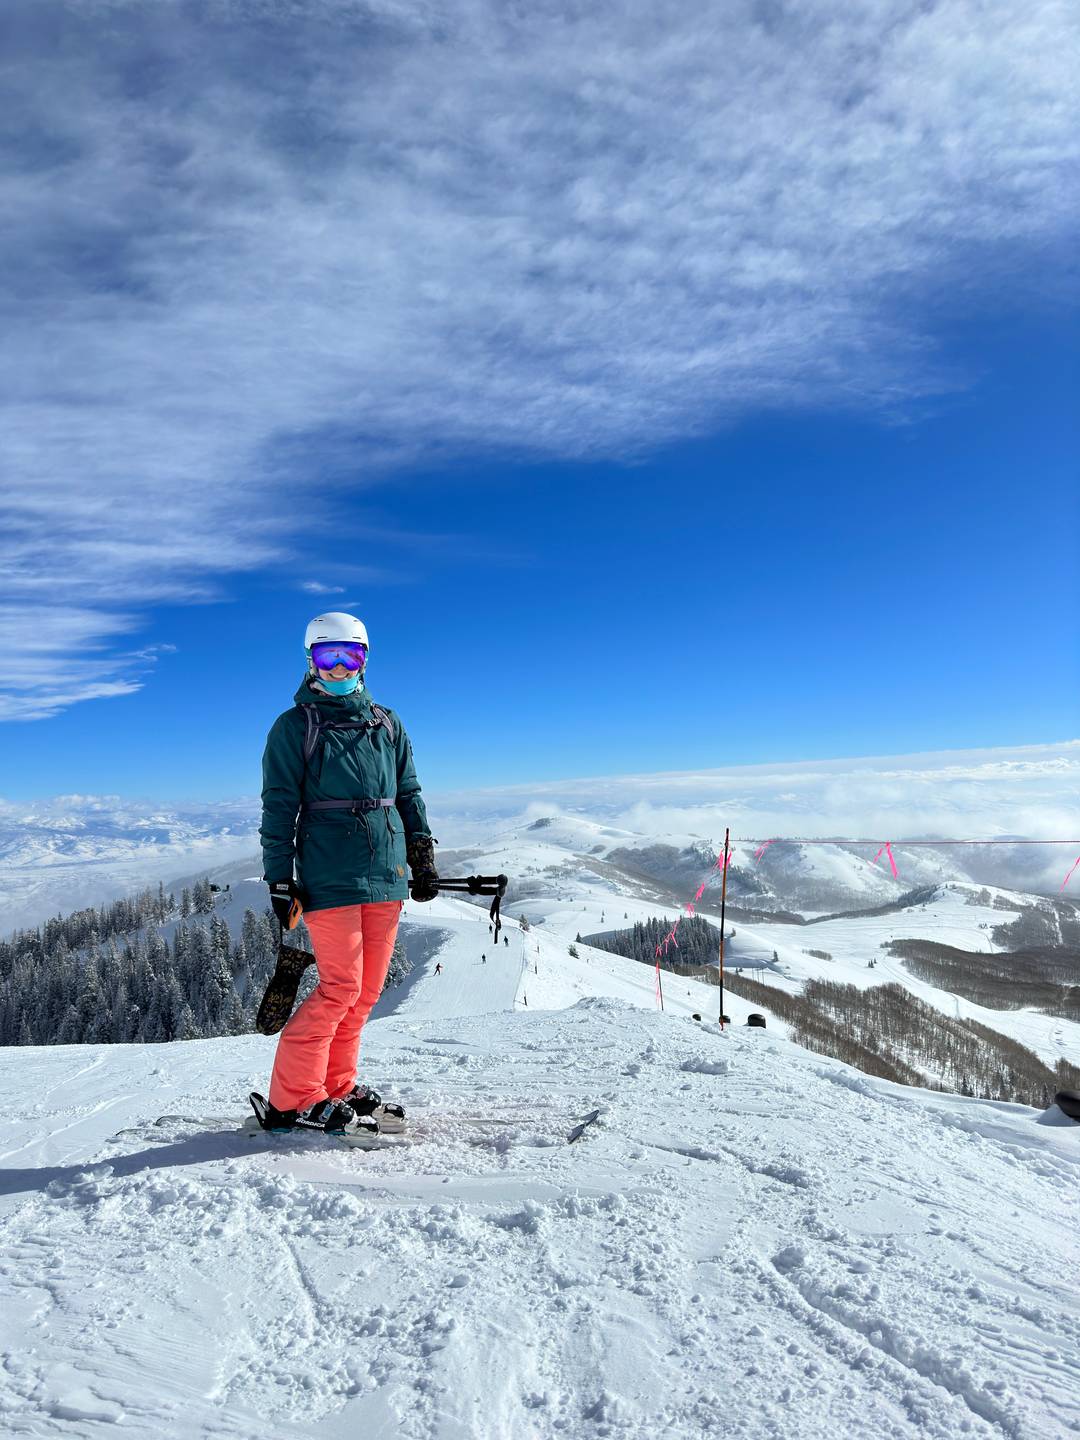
(357, 806)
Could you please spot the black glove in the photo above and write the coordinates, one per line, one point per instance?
(285, 898)
(420, 853)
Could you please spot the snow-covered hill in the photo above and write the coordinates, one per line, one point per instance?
(563, 882)
(750, 1240)
(653, 831)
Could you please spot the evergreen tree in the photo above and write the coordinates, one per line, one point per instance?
(400, 965)
(186, 1029)
(202, 897)
(69, 1030)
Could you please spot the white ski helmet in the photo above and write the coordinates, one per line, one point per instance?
(336, 626)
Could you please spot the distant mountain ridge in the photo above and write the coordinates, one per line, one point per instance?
(77, 851)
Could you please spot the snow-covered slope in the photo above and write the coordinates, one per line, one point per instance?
(950, 916)
(750, 1240)
(953, 914)
(564, 889)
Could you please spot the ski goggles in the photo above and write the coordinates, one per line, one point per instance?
(328, 653)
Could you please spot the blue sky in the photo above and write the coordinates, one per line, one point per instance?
(660, 397)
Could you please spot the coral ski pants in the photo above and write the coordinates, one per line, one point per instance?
(316, 1054)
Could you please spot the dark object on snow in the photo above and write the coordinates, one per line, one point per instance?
(695, 1016)
(579, 1129)
(280, 997)
(725, 1019)
(758, 1021)
(1068, 1102)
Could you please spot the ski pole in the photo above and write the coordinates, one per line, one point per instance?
(494, 885)
(723, 914)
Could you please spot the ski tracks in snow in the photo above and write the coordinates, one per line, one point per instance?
(748, 1242)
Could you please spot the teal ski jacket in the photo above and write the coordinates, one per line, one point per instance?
(341, 857)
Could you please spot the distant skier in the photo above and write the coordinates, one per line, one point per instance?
(483, 959)
(361, 820)
(438, 967)
(506, 939)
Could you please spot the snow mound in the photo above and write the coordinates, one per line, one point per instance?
(702, 1066)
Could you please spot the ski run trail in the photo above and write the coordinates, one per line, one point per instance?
(750, 1240)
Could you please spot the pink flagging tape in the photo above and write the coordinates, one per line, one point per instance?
(886, 849)
(761, 849)
(1068, 877)
(699, 891)
(689, 907)
(834, 840)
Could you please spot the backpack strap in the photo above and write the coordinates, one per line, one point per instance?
(311, 731)
(314, 725)
(383, 718)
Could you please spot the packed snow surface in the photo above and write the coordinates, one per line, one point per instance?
(750, 1240)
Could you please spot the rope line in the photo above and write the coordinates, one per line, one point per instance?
(795, 840)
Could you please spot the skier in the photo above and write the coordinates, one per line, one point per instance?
(438, 967)
(483, 959)
(341, 799)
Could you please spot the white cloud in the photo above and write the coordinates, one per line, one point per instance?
(1028, 791)
(270, 248)
(313, 587)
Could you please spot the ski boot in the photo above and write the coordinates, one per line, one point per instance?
(367, 1102)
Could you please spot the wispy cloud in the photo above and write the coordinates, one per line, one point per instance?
(314, 587)
(261, 244)
(55, 657)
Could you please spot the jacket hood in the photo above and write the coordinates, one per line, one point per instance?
(359, 702)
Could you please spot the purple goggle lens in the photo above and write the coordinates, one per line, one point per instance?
(326, 654)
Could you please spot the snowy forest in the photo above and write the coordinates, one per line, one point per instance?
(109, 974)
(698, 942)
